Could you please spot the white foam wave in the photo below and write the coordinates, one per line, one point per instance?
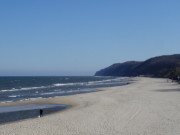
(88, 83)
(81, 83)
(50, 93)
(65, 92)
(6, 101)
(14, 96)
(21, 89)
(68, 84)
(27, 99)
(61, 84)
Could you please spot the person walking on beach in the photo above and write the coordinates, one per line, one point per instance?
(40, 112)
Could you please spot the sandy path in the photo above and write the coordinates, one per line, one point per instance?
(146, 107)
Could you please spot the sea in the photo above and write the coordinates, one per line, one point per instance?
(28, 88)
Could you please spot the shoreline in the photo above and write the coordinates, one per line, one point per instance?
(149, 104)
(39, 100)
(33, 113)
(27, 89)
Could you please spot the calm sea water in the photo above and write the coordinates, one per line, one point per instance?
(26, 88)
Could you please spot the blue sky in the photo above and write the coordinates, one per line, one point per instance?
(79, 37)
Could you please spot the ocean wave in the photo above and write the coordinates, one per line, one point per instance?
(12, 96)
(62, 84)
(65, 92)
(21, 89)
(50, 93)
(68, 84)
(6, 101)
(87, 83)
(26, 99)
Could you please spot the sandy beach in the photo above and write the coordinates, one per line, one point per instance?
(147, 106)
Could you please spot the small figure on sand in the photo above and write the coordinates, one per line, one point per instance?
(40, 112)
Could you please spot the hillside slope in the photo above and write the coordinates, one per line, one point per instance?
(161, 66)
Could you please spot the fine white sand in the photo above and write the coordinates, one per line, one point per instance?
(146, 107)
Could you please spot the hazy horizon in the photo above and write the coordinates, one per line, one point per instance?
(78, 38)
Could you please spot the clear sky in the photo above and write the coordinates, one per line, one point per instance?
(79, 37)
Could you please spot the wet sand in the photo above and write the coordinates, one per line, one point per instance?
(146, 107)
(20, 112)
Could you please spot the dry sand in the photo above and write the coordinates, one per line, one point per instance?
(146, 107)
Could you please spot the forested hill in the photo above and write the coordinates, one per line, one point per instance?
(161, 66)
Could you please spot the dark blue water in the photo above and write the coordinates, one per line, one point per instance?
(25, 88)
